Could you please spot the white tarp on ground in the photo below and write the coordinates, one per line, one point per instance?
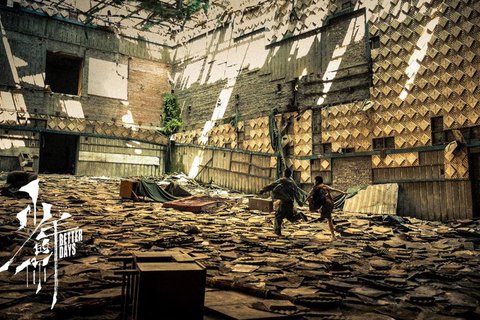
(375, 199)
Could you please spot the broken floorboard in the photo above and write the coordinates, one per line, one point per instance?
(195, 204)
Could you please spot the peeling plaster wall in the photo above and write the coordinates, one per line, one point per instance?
(30, 37)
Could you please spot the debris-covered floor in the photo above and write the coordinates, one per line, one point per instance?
(379, 268)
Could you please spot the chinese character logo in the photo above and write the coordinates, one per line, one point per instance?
(50, 243)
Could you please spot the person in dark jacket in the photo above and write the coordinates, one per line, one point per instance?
(320, 198)
(285, 190)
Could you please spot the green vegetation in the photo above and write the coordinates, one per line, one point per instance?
(172, 120)
(158, 11)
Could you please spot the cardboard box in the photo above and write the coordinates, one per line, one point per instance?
(170, 285)
(261, 204)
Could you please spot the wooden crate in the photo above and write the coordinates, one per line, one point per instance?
(127, 189)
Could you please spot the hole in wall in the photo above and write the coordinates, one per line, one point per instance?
(63, 73)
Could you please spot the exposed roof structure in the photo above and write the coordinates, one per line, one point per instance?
(153, 20)
(173, 21)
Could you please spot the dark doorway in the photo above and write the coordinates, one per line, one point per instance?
(58, 153)
(475, 178)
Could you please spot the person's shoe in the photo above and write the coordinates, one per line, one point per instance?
(277, 229)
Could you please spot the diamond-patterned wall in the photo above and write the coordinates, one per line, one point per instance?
(444, 82)
(302, 132)
(8, 117)
(456, 164)
(223, 135)
(188, 137)
(255, 131)
(396, 160)
(325, 165)
(84, 126)
(426, 65)
(257, 137)
(348, 126)
(302, 166)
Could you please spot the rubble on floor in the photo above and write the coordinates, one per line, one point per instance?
(381, 267)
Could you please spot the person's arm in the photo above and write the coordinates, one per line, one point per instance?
(270, 187)
(337, 190)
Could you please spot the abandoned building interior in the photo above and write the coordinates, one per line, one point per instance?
(143, 145)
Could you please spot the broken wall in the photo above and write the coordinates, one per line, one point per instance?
(243, 76)
(122, 64)
(121, 84)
